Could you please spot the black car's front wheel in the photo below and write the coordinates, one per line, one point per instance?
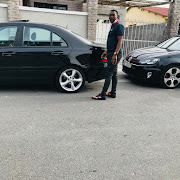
(171, 77)
(70, 79)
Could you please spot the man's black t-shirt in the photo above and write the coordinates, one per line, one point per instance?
(116, 30)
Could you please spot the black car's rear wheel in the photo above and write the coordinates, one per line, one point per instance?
(70, 79)
(171, 77)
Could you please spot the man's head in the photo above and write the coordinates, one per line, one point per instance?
(113, 15)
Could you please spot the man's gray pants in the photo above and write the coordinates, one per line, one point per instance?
(111, 74)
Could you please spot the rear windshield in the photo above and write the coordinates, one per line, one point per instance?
(168, 43)
(175, 46)
(86, 41)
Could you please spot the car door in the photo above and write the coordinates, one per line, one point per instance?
(9, 35)
(41, 53)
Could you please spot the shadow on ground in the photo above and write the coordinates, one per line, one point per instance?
(141, 83)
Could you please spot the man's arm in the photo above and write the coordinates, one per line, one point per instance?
(119, 44)
(118, 47)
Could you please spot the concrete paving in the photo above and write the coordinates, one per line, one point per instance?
(46, 135)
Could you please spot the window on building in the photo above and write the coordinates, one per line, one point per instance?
(106, 21)
(50, 6)
(179, 29)
(25, 2)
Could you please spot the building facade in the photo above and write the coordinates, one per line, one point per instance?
(95, 11)
(56, 4)
(147, 14)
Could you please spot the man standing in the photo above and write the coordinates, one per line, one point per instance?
(114, 54)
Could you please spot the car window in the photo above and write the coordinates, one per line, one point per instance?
(7, 35)
(175, 46)
(167, 43)
(58, 41)
(34, 36)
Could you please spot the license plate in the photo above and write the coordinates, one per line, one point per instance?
(127, 64)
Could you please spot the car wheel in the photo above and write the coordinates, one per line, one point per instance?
(70, 79)
(171, 77)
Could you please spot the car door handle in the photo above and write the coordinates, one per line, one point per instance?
(56, 53)
(8, 53)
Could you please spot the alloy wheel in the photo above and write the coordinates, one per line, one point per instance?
(172, 77)
(71, 80)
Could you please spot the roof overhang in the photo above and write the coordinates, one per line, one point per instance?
(130, 3)
(133, 3)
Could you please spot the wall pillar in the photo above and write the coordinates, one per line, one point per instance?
(92, 6)
(173, 18)
(13, 10)
(20, 2)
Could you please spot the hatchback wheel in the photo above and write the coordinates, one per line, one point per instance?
(171, 77)
(70, 79)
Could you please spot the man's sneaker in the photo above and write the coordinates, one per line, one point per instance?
(99, 97)
(111, 94)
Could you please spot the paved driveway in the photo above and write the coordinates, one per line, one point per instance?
(46, 135)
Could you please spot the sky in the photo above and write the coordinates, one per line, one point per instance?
(164, 6)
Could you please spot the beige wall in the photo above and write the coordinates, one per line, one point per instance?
(74, 21)
(3, 1)
(140, 14)
(103, 11)
(3, 13)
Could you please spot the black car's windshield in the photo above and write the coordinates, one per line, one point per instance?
(167, 43)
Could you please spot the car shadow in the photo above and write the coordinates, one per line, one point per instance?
(142, 83)
(27, 88)
(46, 88)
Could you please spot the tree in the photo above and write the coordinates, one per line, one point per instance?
(173, 18)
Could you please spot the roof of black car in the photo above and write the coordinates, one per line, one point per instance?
(51, 27)
(17, 22)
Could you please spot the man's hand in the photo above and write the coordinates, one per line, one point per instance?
(114, 59)
(103, 54)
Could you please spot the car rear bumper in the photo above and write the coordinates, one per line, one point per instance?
(149, 73)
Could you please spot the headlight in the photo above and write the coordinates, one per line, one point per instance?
(149, 61)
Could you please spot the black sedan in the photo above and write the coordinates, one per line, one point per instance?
(160, 64)
(32, 52)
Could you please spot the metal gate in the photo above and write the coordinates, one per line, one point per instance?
(138, 34)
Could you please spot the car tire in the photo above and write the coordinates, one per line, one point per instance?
(70, 79)
(171, 77)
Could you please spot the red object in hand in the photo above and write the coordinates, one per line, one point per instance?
(104, 60)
